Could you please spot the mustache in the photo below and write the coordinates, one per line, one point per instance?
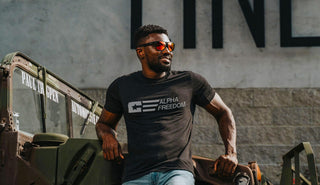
(168, 56)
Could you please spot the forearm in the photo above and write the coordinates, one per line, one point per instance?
(103, 130)
(226, 164)
(107, 123)
(227, 128)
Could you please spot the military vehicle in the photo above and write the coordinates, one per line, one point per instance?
(47, 135)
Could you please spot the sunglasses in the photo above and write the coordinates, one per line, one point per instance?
(160, 45)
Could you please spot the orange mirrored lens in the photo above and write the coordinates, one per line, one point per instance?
(161, 45)
(170, 46)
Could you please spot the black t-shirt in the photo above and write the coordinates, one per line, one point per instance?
(158, 115)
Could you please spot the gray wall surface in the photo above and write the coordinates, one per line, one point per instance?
(87, 42)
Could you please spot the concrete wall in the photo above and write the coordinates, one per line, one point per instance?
(273, 91)
(93, 37)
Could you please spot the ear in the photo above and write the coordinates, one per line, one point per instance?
(140, 53)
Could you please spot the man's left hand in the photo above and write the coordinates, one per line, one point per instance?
(226, 165)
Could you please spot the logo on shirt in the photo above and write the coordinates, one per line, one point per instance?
(155, 105)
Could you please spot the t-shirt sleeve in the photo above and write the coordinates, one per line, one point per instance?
(113, 101)
(203, 93)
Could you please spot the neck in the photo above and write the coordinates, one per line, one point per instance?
(153, 75)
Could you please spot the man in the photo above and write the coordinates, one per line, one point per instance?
(158, 106)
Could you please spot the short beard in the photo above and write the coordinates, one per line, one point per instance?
(158, 68)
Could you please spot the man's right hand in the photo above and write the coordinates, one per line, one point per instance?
(105, 127)
(111, 147)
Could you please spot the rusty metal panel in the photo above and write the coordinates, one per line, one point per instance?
(8, 160)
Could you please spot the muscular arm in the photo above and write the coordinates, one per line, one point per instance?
(227, 163)
(105, 127)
